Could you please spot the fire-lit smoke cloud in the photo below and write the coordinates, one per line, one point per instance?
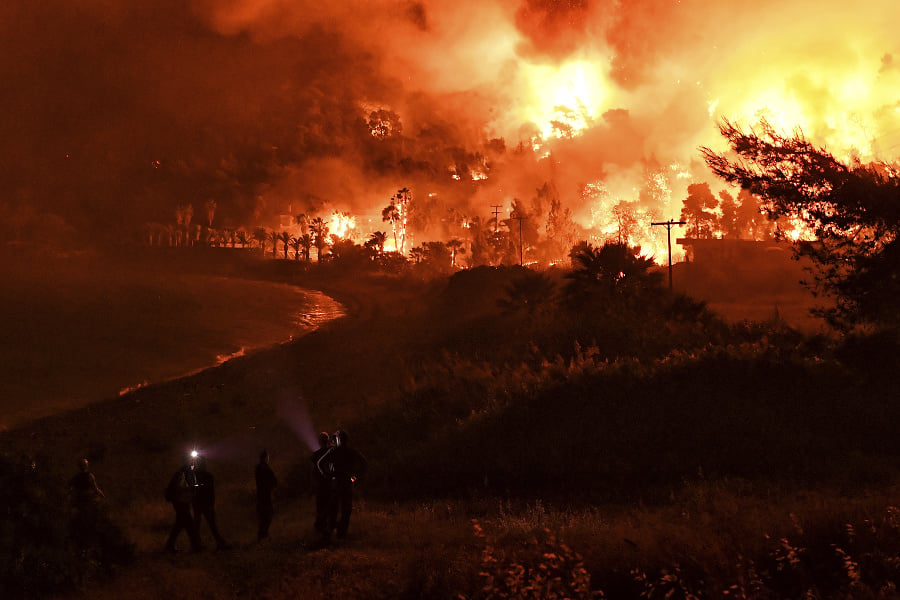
(115, 113)
(294, 413)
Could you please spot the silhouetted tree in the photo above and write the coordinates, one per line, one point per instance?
(295, 246)
(273, 236)
(697, 212)
(436, 257)
(455, 247)
(348, 254)
(611, 270)
(528, 293)
(417, 253)
(319, 232)
(261, 236)
(306, 243)
(580, 248)
(728, 221)
(852, 209)
(752, 218)
(285, 238)
(376, 242)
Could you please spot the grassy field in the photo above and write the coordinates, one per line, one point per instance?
(512, 454)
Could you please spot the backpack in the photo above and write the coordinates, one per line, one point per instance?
(178, 489)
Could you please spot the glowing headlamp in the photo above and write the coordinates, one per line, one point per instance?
(194, 454)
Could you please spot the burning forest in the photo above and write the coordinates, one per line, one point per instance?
(622, 273)
(569, 121)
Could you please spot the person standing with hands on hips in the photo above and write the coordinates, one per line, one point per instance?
(347, 465)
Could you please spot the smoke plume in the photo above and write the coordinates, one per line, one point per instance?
(117, 113)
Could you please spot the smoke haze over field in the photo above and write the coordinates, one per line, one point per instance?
(114, 113)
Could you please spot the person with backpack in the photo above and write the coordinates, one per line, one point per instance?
(180, 493)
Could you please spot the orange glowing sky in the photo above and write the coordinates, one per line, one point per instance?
(262, 103)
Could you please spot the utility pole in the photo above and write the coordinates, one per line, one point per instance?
(496, 208)
(668, 225)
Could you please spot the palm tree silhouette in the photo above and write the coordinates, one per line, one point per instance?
(614, 268)
(295, 244)
(273, 236)
(391, 214)
(306, 242)
(261, 236)
(285, 238)
(456, 247)
(319, 229)
(529, 293)
(376, 241)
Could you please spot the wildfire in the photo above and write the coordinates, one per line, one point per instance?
(795, 229)
(563, 101)
(618, 220)
(342, 224)
(844, 103)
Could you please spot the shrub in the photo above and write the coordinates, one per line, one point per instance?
(545, 568)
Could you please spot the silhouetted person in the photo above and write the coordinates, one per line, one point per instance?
(323, 488)
(265, 485)
(85, 496)
(204, 502)
(347, 466)
(180, 492)
(83, 486)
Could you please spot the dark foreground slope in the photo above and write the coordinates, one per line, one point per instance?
(648, 440)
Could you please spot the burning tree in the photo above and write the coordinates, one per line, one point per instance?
(384, 124)
(854, 211)
(210, 211)
(456, 248)
(397, 213)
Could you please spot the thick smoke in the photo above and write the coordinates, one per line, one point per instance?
(117, 113)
